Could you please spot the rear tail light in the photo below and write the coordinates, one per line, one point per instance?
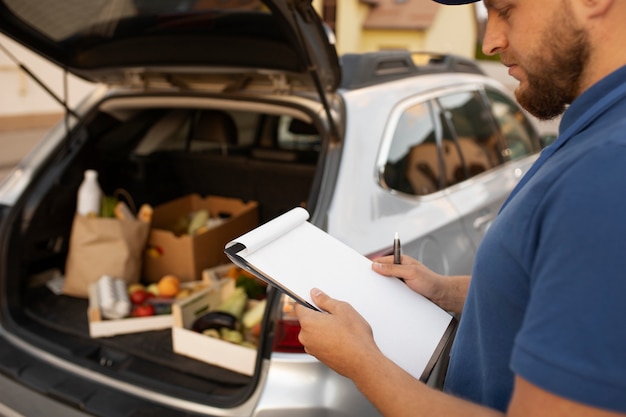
(288, 328)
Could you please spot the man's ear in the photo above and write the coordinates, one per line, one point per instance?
(595, 8)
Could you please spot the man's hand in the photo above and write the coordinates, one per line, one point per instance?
(448, 292)
(340, 337)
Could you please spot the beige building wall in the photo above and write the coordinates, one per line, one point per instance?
(23, 102)
(454, 30)
(377, 40)
(447, 34)
(349, 26)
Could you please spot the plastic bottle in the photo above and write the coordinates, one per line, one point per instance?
(89, 195)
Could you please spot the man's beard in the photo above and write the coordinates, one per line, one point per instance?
(554, 78)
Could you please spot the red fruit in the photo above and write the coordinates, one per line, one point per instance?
(139, 296)
(256, 330)
(143, 310)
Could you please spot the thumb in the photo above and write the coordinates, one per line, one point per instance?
(321, 299)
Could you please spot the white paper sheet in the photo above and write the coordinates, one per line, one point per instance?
(296, 256)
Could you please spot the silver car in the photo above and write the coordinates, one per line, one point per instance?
(244, 99)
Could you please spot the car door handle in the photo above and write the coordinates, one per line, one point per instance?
(480, 222)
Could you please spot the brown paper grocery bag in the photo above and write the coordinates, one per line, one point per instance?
(103, 246)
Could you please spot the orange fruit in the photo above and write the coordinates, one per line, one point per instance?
(233, 272)
(248, 274)
(168, 286)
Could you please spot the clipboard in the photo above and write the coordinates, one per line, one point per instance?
(294, 255)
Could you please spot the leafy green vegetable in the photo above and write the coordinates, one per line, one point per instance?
(107, 206)
(253, 287)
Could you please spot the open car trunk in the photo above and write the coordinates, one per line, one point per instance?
(156, 149)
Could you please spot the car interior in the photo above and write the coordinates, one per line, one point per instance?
(155, 154)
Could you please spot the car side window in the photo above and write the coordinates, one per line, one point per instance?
(470, 144)
(442, 142)
(514, 125)
(413, 163)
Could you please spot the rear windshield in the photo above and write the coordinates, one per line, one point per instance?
(110, 35)
(67, 19)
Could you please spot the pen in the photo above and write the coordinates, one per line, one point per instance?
(397, 250)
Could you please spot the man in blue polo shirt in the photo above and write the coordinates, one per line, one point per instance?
(541, 331)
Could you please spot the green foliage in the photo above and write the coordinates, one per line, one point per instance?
(479, 55)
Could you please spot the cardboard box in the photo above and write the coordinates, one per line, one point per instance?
(187, 256)
(198, 346)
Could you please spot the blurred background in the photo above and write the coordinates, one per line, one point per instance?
(27, 110)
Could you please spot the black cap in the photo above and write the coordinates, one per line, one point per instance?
(456, 2)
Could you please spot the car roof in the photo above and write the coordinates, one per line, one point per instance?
(104, 41)
(364, 70)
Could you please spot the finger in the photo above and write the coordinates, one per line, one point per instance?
(322, 300)
(303, 311)
(388, 259)
(387, 269)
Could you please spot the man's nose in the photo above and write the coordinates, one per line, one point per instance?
(495, 39)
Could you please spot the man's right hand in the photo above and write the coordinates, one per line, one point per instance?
(448, 292)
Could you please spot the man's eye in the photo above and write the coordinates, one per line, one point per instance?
(504, 13)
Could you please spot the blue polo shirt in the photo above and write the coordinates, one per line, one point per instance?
(547, 299)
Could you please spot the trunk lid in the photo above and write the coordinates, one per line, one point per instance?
(129, 41)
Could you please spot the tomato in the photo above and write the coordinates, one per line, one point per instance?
(139, 296)
(256, 330)
(143, 310)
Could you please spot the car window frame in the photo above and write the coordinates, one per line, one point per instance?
(494, 153)
(432, 99)
(536, 145)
